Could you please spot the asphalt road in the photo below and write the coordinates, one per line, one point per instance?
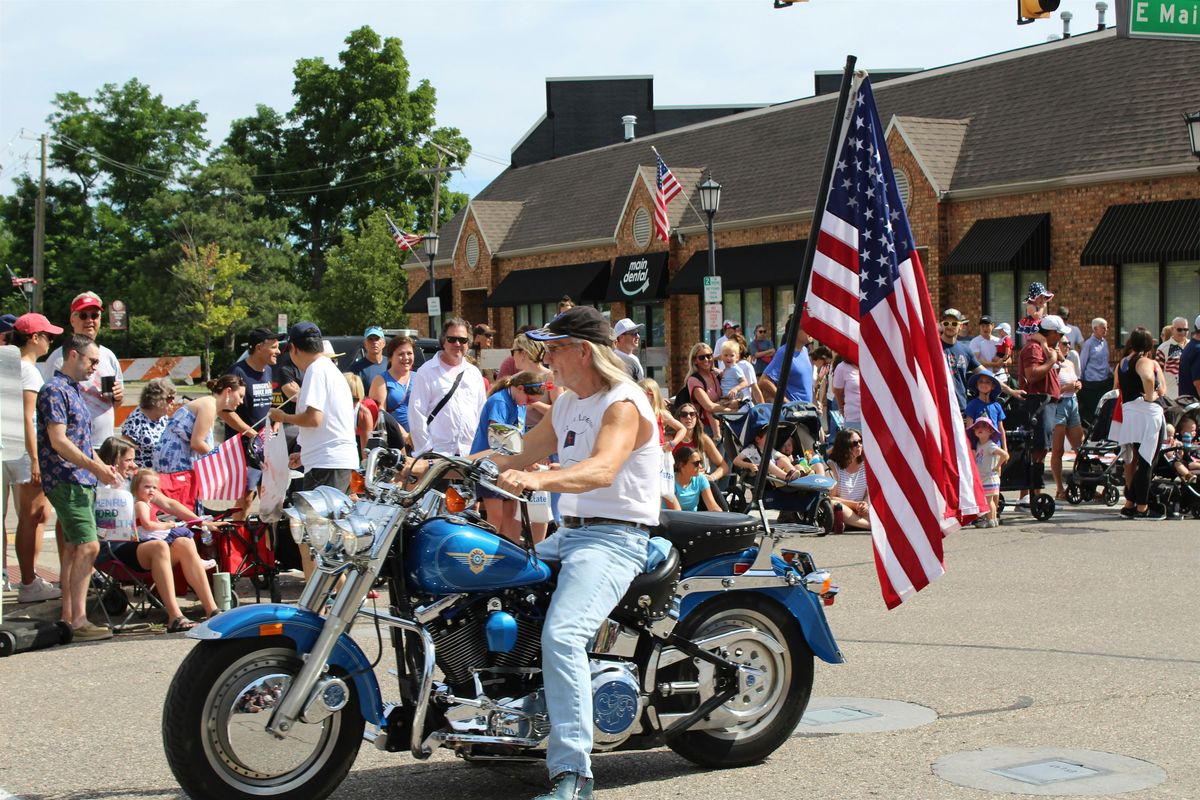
(1081, 633)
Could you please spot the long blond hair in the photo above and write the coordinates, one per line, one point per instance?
(650, 386)
(610, 369)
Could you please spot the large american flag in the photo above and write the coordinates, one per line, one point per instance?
(405, 241)
(868, 300)
(221, 475)
(666, 188)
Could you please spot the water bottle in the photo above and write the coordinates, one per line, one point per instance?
(222, 590)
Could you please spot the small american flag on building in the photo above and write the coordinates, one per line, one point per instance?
(868, 301)
(221, 475)
(405, 241)
(666, 188)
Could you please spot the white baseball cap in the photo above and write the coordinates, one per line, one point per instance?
(624, 326)
(1053, 322)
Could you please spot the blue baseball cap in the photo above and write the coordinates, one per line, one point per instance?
(304, 332)
(373, 330)
(6, 322)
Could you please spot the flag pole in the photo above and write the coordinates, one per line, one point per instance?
(810, 251)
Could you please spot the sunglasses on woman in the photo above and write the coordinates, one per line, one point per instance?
(686, 414)
(696, 463)
(704, 357)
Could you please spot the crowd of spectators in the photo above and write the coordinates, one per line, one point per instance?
(1050, 375)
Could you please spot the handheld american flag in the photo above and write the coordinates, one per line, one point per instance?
(868, 300)
(666, 187)
(221, 475)
(405, 241)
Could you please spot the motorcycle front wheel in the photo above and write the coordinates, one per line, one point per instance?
(214, 727)
(778, 701)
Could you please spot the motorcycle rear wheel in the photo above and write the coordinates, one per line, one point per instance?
(789, 681)
(214, 721)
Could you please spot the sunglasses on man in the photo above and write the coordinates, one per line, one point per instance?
(88, 314)
(457, 339)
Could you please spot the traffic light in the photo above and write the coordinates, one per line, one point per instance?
(1030, 10)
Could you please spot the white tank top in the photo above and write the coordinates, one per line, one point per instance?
(634, 495)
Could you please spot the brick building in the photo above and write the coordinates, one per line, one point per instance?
(1066, 162)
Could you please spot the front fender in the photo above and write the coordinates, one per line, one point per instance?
(803, 604)
(302, 627)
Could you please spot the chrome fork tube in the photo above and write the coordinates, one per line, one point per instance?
(340, 617)
(317, 590)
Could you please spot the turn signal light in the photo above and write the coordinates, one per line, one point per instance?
(455, 502)
(270, 629)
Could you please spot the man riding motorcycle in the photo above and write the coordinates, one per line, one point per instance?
(603, 430)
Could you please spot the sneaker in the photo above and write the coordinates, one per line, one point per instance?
(208, 563)
(1023, 502)
(569, 786)
(993, 523)
(37, 590)
(1128, 512)
(87, 632)
(1152, 512)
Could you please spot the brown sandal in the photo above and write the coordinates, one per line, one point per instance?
(180, 624)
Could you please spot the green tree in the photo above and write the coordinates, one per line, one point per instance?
(353, 142)
(206, 281)
(365, 283)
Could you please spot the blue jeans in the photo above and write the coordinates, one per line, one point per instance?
(598, 564)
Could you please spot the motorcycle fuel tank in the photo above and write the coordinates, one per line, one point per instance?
(448, 555)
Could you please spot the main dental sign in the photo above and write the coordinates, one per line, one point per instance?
(1158, 19)
(637, 278)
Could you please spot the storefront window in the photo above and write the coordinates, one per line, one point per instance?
(1154, 294)
(1004, 294)
(653, 354)
(785, 300)
(535, 314)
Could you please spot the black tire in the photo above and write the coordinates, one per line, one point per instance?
(1074, 494)
(1112, 496)
(8, 644)
(823, 517)
(751, 742)
(1042, 506)
(199, 724)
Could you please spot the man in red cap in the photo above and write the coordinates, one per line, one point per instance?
(86, 311)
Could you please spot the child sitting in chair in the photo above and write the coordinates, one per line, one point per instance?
(779, 466)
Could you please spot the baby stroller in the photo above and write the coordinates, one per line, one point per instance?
(1167, 486)
(1097, 465)
(1021, 472)
(805, 500)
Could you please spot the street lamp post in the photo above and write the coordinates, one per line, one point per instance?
(1193, 126)
(710, 201)
(431, 249)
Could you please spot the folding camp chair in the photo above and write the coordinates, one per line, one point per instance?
(245, 549)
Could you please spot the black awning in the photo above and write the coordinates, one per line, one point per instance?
(1164, 231)
(638, 278)
(583, 283)
(417, 303)
(1003, 244)
(746, 267)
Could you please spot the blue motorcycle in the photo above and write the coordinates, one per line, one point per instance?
(710, 653)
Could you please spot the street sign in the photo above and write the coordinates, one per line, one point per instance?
(118, 318)
(434, 306)
(712, 290)
(281, 323)
(713, 312)
(1158, 19)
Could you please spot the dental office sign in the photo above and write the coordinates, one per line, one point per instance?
(1158, 19)
(637, 278)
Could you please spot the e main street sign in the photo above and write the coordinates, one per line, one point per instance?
(1158, 19)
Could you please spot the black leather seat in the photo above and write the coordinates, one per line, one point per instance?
(649, 596)
(701, 535)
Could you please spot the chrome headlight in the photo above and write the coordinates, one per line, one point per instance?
(352, 536)
(319, 532)
(295, 524)
(323, 502)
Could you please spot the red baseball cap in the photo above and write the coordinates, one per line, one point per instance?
(86, 300)
(35, 323)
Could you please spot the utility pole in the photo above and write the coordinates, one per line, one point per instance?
(433, 224)
(39, 236)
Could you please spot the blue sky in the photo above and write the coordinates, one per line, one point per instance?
(488, 59)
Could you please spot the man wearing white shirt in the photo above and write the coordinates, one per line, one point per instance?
(446, 396)
(86, 311)
(983, 346)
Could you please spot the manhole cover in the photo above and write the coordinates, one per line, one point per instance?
(861, 715)
(1048, 771)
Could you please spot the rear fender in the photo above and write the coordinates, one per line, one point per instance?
(803, 604)
(302, 627)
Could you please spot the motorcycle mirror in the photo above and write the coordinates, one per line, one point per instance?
(505, 439)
